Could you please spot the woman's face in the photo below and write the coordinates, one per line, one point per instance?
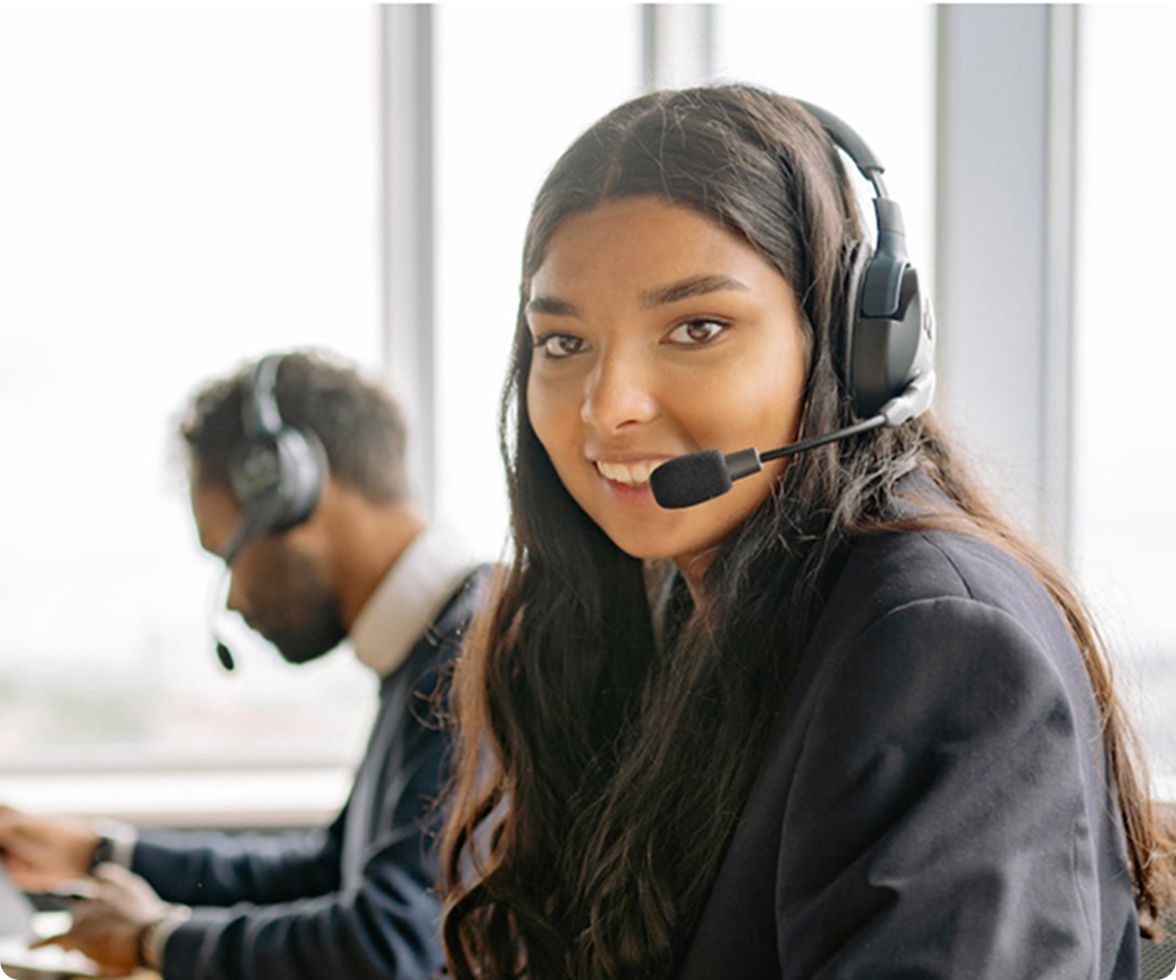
(658, 333)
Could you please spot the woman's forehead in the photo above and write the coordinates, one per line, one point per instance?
(647, 246)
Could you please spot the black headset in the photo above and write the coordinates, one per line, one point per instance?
(278, 473)
(886, 348)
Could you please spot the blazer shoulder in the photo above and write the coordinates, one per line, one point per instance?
(914, 612)
(886, 572)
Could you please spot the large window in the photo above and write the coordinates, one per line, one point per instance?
(181, 187)
(1125, 533)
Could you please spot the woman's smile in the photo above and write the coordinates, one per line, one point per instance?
(634, 474)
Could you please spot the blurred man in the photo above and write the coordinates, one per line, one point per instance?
(297, 478)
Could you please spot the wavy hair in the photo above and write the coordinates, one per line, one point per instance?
(597, 780)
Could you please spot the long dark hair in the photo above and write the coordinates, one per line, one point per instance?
(597, 781)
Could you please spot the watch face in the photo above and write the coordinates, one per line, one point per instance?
(103, 853)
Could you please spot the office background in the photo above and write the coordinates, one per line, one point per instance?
(186, 186)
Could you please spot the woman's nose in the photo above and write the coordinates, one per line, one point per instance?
(619, 392)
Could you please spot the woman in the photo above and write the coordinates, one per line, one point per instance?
(837, 722)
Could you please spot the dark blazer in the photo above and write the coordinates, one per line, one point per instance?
(933, 803)
(356, 900)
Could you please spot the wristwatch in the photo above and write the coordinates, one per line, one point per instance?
(103, 853)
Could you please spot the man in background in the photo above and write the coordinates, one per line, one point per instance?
(297, 480)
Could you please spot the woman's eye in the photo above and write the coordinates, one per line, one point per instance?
(560, 345)
(692, 333)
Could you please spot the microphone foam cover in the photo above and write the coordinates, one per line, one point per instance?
(224, 655)
(689, 480)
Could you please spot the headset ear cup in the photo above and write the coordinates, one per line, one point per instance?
(887, 338)
(856, 261)
(278, 479)
(278, 473)
(303, 474)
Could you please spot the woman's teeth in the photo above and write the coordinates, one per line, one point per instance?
(630, 474)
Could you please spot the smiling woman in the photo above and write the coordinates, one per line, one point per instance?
(659, 333)
(839, 721)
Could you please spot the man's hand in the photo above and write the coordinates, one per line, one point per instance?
(41, 853)
(108, 927)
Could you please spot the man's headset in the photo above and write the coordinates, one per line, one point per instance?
(277, 474)
(886, 347)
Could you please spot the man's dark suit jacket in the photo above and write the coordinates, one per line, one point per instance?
(356, 901)
(933, 804)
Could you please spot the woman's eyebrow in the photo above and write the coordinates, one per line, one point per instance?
(696, 286)
(663, 295)
(551, 306)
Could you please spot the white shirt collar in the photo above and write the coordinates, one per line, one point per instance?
(409, 597)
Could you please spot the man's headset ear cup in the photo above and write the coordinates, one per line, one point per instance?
(278, 479)
(303, 475)
(279, 472)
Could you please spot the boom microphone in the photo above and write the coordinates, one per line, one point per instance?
(250, 527)
(698, 477)
(223, 653)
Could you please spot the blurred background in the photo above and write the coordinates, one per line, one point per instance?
(183, 187)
